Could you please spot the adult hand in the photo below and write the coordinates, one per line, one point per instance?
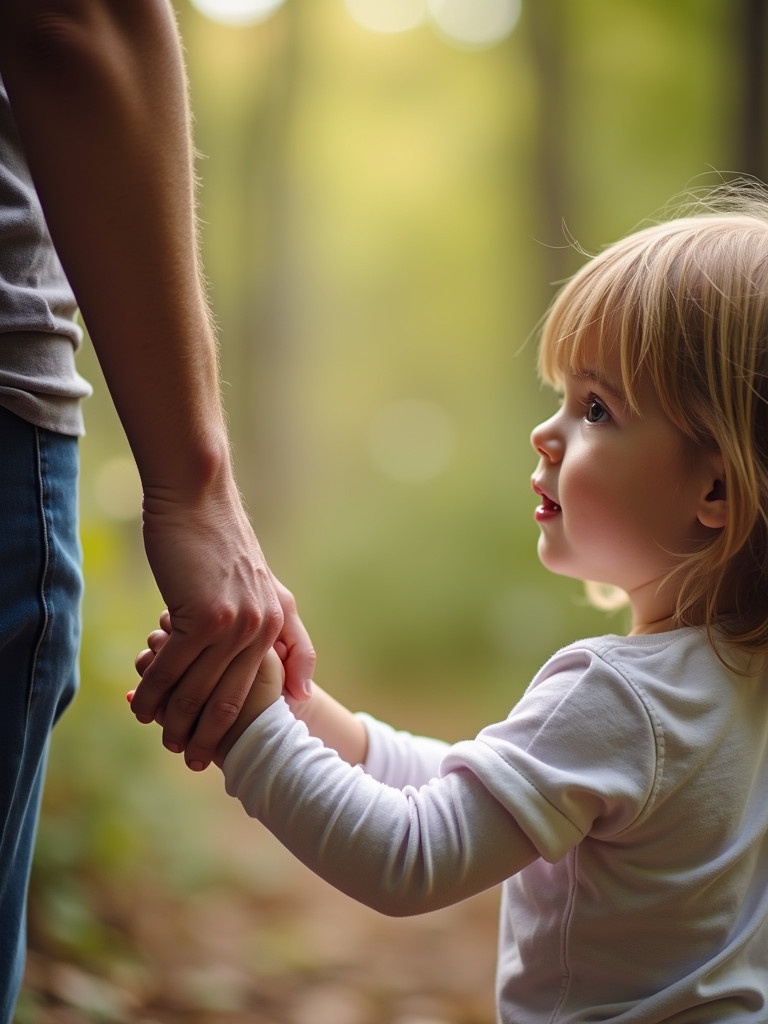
(266, 688)
(225, 610)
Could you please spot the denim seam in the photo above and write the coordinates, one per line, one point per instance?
(42, 493)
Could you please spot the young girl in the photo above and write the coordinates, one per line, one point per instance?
(623, 803)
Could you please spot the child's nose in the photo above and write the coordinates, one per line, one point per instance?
(547, 440)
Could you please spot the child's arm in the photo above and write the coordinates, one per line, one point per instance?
(401, 851)
(323, 716)
(332, 723)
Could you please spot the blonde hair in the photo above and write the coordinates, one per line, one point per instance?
(686, 302)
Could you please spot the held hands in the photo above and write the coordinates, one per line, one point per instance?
(265, 690)
(226, 610)
(324, 717)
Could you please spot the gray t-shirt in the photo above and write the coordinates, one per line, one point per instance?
(39, 332)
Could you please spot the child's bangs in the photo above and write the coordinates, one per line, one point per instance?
(589, 315)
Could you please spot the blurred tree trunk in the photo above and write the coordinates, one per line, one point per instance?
(752, 22)
(545, 24)
(267, 437)
(244, 83)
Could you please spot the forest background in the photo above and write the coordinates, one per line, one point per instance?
(385, 219)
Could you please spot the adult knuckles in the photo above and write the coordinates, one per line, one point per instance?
(273, 620)
(245, 623)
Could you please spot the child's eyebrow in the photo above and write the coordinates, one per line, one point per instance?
(588, 373)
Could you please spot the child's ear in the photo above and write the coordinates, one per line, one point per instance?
(713, 508)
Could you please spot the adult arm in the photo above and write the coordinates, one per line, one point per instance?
(99, 94)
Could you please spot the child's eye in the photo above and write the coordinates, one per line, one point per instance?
(595, 412)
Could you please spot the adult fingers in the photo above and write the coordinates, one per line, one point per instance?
(208, 713)
(161, 676)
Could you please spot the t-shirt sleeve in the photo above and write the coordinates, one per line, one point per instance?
(581, 754)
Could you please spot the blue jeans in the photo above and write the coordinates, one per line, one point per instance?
(40, 592)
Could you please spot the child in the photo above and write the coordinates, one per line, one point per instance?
(623, 803)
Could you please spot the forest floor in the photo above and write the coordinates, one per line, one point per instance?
(265, 943)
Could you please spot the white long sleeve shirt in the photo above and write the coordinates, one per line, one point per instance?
(623, 803)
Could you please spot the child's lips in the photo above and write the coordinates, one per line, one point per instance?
(548, 507)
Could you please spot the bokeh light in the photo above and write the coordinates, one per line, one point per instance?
(237, 12)
(474, 23)
(412, 440)
(388, 15)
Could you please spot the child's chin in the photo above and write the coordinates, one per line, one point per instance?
(550, 560)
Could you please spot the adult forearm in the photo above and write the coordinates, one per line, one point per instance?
(99, 94)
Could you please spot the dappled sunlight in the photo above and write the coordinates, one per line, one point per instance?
(469, 23)
(237, 12)
(464, 23)
(391, 16)
(474, 23)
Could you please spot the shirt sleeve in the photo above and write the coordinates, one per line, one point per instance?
(577, 756)
(581, 754)
(400, 758)
(400, 851)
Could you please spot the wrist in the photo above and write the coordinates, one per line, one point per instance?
(202, 473)
(334, 724)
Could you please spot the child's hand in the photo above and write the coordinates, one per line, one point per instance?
(266, 687)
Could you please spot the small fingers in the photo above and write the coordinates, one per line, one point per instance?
(294, 647)
(299, 663)
(143, 660)
(157, 639)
